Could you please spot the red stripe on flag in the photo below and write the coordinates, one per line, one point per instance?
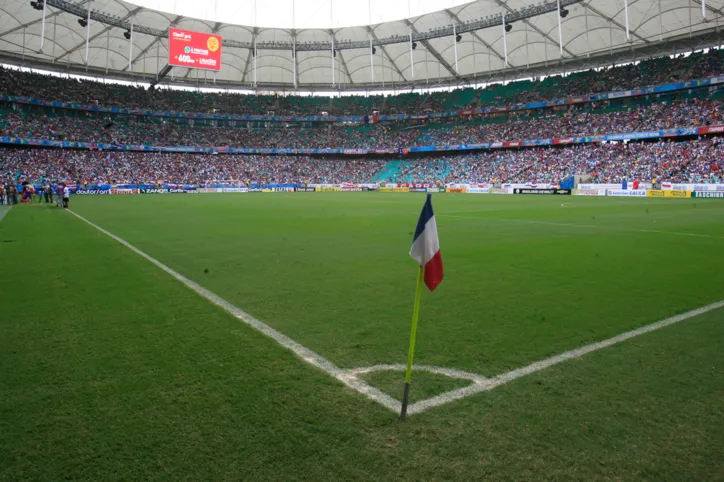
(433, 272)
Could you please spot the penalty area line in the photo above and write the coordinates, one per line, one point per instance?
(301, 351)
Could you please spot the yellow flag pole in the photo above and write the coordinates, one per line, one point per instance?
(413, 335)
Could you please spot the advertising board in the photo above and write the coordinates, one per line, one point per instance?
(626, 192)
(195, 50)
(708, 194)
(590, 192)
(564, 192)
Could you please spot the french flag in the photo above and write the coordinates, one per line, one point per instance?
(426, 246)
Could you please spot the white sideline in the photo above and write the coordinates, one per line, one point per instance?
(302, 352)
(554, 360)
(4, 210)
(351, 378)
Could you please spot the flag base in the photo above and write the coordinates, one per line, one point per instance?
(405, 399)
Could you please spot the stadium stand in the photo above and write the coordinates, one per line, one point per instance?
(682, 159)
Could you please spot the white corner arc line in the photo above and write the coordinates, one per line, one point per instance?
(534, 367)
(301, 351)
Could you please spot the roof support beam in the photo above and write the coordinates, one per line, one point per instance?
(718, 11)
(82, 44)
(249, 58)
(341, 58)
(612, 21)
(33, 22)
(536, 29)
(455, 18)
(384, 51)
(433, 51)
(155, 41)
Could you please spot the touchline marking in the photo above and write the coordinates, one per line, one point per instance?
(4, 210)
(301, 351)
(351, 377)
(587, 226)
(534, 367)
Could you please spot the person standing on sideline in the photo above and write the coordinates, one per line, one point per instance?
(66, 197)
(12, 193)
(48, 192)
(59, 194)
(2, 193)
(40, 192)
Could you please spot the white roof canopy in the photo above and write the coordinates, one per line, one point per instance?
(593, 33)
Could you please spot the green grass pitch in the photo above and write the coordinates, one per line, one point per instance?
(112, 369)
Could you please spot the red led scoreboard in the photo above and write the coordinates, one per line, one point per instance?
(194, 50)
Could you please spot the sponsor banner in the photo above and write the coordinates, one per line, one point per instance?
(501, 190)
(350, 188)
(152, 191)
(417, 189)
(692, 187)
(590, 192)
(194, 50)
(92, 192)
(456, 190)
(306, 189)
(433, 189)
(599, 186)
(669, 193)
(120, 190)
(328, 189)
(386, 189)
(232, 189)
(478, 190)
(711, 130)
(532, 186)
(708, 194)
(565, 192)
(400, 189)
(626, 192)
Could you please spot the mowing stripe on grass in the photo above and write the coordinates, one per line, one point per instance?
(586, 226)
(301, 351)
(489, 384)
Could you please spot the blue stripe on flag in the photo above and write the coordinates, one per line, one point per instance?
(425, 216)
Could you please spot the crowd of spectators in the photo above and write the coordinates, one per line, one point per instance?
(694, 161)
(548, 124)
(117, 167)
(647, 73)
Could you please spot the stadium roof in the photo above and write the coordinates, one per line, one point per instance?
(593, 34)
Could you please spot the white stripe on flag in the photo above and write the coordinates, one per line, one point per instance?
(426, 244)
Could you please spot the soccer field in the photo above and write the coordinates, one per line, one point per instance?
(111, 367)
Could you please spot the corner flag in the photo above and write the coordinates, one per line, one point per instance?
(426, 251)
(426, 246)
